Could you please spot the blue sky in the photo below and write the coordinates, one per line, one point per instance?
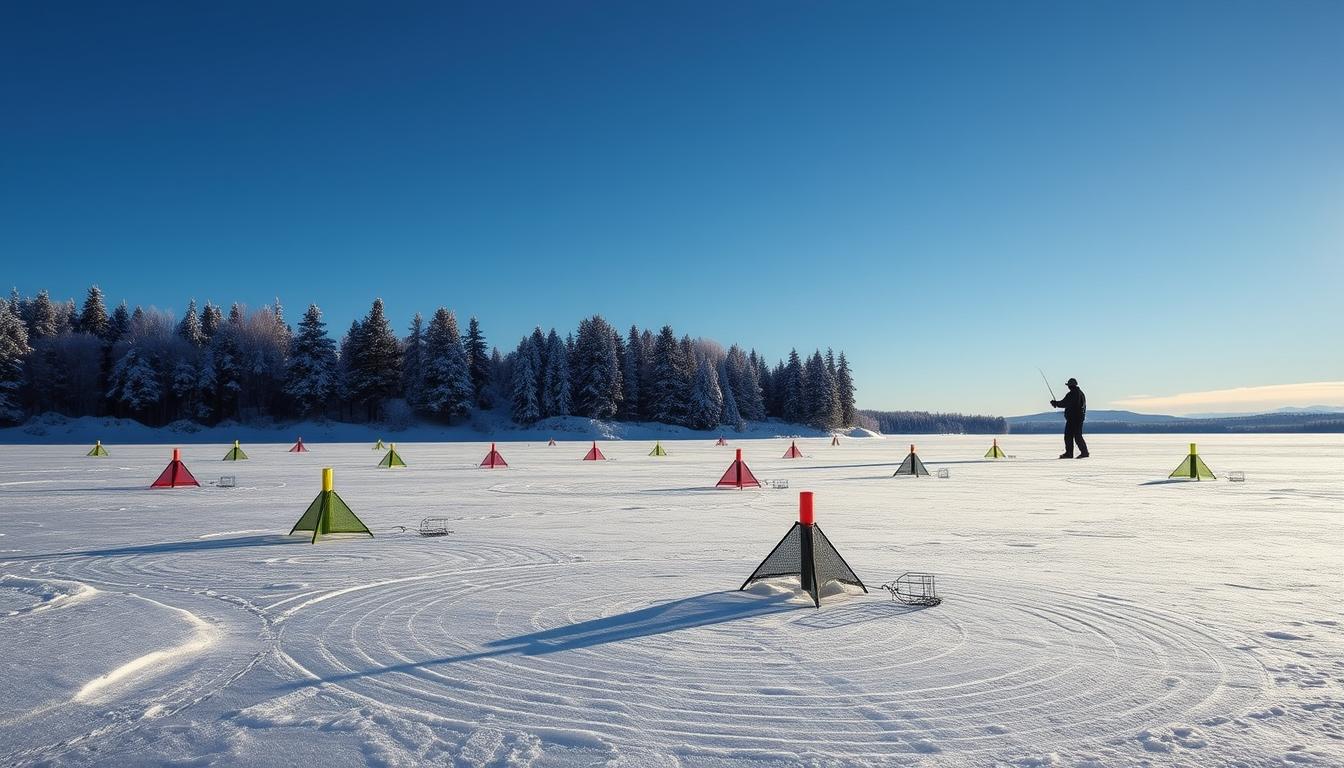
(1147, 196)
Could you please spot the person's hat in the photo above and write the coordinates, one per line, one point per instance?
(1072, 382)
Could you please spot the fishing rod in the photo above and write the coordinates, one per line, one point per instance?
(1047, 385)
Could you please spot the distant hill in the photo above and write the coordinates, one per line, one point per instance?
(1329, 409)
(1127, 417)
(1286, 420)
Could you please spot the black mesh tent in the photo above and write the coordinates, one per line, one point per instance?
(911, 466)
(805, 552)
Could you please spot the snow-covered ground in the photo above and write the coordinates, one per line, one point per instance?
(587, 613)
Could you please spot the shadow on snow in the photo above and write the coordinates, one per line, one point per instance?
(686, 613)
(168, 547)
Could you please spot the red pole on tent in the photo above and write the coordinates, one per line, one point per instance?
(808, 577)
(738, 465)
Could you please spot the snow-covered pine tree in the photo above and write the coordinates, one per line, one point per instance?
(539, 344)
(190, 327)
(731, 416)
(498, 388)
(118, 323)
(135, 384)
(526, 408)
(211, 318)
(557, 399)
(632, 372)
(227, 355)
(311, 376)
(822, 409)
(688, 369)
(669, 397)
(793, 405)
(595, 370)
(844, 386)
(706, 397)
(478, 363)
(740, 372)
(93, 317)
(646, 344)
(618, 372)
(412, 363)
(42, 318)
(13, 350)
(347, 351)
(375, 371)
(447, 391)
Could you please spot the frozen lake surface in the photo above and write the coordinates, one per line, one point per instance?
(586, 614)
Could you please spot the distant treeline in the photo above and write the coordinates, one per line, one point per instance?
(1267, 423)
(213, 364)
(924, 423)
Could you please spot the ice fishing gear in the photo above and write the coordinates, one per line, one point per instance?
(1047, 385)
(914, 588)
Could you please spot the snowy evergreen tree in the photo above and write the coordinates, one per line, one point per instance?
(375, 367)
(557, 399)
(42, 318)
(478, 363)
(526, 404)
(793, 405)
(706, 397)
(844, 385)
(211, 318)
(539, 344)
(190, 327)
(413, 363)
(227, 356)
(596, 370)
(93, 318)
(632, 372)
(447, 390)
(731, 415)
(740, 373)
(821, 405)
(119, 323)
(135, 384)
(646, 345)
(670, 397)
(347, 352)
(498, 389)
(13, 351)
(311, 376)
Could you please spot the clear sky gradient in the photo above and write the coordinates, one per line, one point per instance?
(1148, 196)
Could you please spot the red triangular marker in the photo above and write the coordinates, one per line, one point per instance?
(175, 474)
(493, 460)
(738, 475)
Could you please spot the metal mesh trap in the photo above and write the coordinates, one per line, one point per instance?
(914, 588)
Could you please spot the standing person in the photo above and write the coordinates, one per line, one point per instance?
(1075, 411)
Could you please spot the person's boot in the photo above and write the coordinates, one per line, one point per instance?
(1084, 455)
(1066, 455)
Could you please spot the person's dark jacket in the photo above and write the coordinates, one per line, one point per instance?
(1074, 405)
